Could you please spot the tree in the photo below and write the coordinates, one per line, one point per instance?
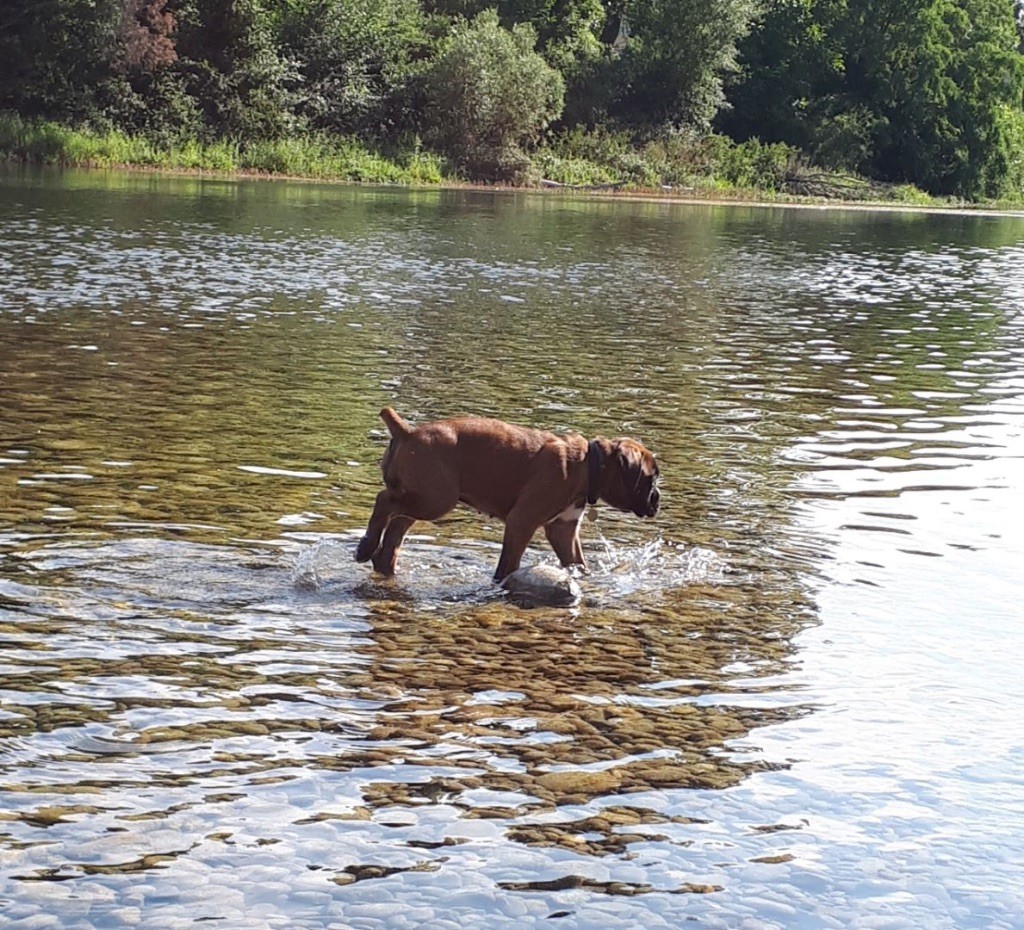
(232, 65)
(55, 55)
(356, 58)
(928, 92)
(490, 95)
(988, 71)
(790, 65)
(671, 72)
(144, 36)
(568, 31)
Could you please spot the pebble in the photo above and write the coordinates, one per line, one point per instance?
(576, 782)
(543, 585)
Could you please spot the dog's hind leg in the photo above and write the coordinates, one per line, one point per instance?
(517, 537)
(393, 513)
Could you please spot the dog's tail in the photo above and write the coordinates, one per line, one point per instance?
(396, 425)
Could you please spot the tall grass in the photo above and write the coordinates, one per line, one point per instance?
(316, 156)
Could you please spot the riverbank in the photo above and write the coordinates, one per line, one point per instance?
(667, 197)
(709, 169)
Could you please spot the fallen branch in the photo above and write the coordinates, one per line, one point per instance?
(611, 186)
(832, 186)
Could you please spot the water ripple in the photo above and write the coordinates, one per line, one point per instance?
(788, 702)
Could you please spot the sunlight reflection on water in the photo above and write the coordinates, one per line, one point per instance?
(792, 701)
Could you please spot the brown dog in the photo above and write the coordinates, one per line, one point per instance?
(525, 477)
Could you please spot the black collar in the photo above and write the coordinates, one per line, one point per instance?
(595, 462)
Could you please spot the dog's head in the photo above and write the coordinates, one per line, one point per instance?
(631, 478)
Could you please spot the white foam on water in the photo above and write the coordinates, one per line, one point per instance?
(434, 575)
(280, 472)
(655, 566)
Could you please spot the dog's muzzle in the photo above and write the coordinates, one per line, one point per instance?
(648, 506)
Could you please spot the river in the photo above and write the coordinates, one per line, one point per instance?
(792, 700)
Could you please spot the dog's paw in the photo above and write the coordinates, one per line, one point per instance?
(365, 550)
(384, 562)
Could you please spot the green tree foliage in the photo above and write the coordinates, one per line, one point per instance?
(56, 55)
(144, 93)
(672, 70)
(928, 92)
(490, 95)
(568, 31)
(102, 62)
(232, 65)
(356, 59)
(790, 67)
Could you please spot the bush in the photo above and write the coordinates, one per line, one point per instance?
(421, 167)
(33, 142)
(355, 59)
(596, 157)
(672, 159)
(490, 95)
(217, 156)
(1011, 128)
(755, 164)
(574, 172)
(911, 196)
(845, 137)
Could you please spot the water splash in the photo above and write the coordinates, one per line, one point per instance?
(429, 575)
(308, 563)
(657, 565)
(433, 574)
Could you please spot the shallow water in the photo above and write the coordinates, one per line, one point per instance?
(793, 700)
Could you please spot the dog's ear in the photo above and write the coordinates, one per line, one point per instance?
(638, 472)
(631, 457)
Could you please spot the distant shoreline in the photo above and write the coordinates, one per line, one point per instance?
(671, 197)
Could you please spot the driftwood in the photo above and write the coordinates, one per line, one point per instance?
(611, 186)
(832, 186)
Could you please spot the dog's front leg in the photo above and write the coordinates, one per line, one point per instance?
(386, 556)
(383, 511)
(564, 537)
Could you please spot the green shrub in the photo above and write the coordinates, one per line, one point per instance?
(489, 97)
(672, 160)
(1006, 180)
(12, 130)
(217, 156)
(911, 195)
(576, 172)
(422, 167)
(43, 142)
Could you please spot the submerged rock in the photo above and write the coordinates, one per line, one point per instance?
(543, 585)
